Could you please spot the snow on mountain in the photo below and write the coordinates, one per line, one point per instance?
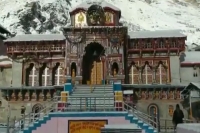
(47, 16)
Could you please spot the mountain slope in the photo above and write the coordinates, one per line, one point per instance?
(40, 16)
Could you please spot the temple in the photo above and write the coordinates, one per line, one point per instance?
(96, 49)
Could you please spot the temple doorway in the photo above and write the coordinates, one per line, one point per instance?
(92, 66)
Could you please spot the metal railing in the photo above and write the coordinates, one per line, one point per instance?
(150, 120)
(166, 125)
(87, 103)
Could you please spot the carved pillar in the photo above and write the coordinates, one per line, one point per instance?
(140, 75)
(167, 75)
(78, 67)
(108, 66)
(24, 73)
(37, 67)
(50, 66)
(67, 66)
(154, 74)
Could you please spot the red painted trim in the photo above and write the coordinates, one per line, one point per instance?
(106, 8)
(190, 64)
(6, 65)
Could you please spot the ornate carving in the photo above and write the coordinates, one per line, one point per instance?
(95, 16)
(75, 39)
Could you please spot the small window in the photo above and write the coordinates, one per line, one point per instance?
(162, 45)
(136, 46)
(131, 44)
(195, 74)
(173, 44)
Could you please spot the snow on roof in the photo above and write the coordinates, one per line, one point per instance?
(190, 57)
(86, 5)
(4, 60)
(36, 37)
(3, 57)
(2, 36)
(188, 88)
(156, 34)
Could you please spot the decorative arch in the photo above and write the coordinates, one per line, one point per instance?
(153, 106)
(73, 68)
(93, 52)
(161, 73)
(134, 72)
(57, 74)
(115, 68)
(37, 108)
(147, 72)
(30, 75)
(44, 75)
(153, 111)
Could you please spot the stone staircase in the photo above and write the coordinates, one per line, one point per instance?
(91, 98)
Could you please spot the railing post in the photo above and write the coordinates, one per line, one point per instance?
(158, 122)
(8, 125)
(165, 125)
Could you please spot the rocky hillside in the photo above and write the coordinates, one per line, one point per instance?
(39, 16)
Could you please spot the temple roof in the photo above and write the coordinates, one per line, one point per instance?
(2, 36)
(5, 61)
(190, 87)
(156, 34)
(190, 57)
(86, 5)
(36, 37)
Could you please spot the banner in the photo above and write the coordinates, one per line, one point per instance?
(86, 126)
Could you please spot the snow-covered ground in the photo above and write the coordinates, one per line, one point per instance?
(137, 14)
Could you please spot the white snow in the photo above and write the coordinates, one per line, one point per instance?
(4, 60)
(188, 128)
(159, 15)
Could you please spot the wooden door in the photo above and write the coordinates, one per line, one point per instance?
(96, 73)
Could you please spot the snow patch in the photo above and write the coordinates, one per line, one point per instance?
(138, 15)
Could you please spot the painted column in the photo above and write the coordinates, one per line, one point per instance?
(117, 88)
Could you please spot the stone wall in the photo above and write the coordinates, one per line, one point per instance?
(163, 107)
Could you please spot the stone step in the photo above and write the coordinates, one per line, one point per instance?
(94, 102)
(89, 87)
(94, 86)
(79, 95)
(89, 91)
(101, 89)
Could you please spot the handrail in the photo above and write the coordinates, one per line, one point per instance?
(31, 115)
(150, 120)
(103, 105)
(31, 118)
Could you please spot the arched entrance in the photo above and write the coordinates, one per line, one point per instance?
(153, 111)
(36, 110)
(92, 66)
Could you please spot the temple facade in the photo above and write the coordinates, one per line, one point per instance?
(97, 49)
